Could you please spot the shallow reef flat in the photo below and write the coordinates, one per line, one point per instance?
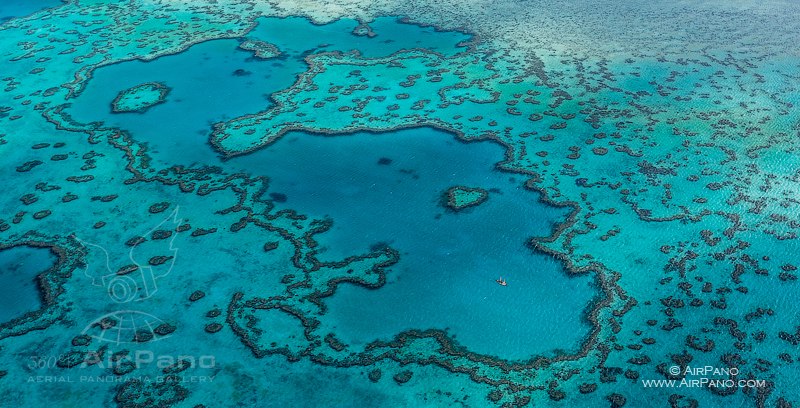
(140, 98)
(461, 197)
(289, 203)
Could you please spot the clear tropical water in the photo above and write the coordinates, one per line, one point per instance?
(250, 204)
(444, 255)
(21, 8)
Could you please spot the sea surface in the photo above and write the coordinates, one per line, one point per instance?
(256, 204)
(20, 266)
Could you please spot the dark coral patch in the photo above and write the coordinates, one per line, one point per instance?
(196, 295)
(375, 375)
(403, 377)
(158, 207)
(213, 328)
(278, 197)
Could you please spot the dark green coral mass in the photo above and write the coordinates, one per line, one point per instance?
(242, 203)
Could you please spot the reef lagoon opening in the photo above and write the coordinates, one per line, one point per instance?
(19, 287)
(387, 189)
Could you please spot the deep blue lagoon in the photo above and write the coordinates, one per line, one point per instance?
(19, 268)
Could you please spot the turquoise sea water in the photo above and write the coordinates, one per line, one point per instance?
(21, 8)
(276, 232)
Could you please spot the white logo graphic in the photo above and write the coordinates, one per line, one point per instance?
(127, 326)
(138, 280)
